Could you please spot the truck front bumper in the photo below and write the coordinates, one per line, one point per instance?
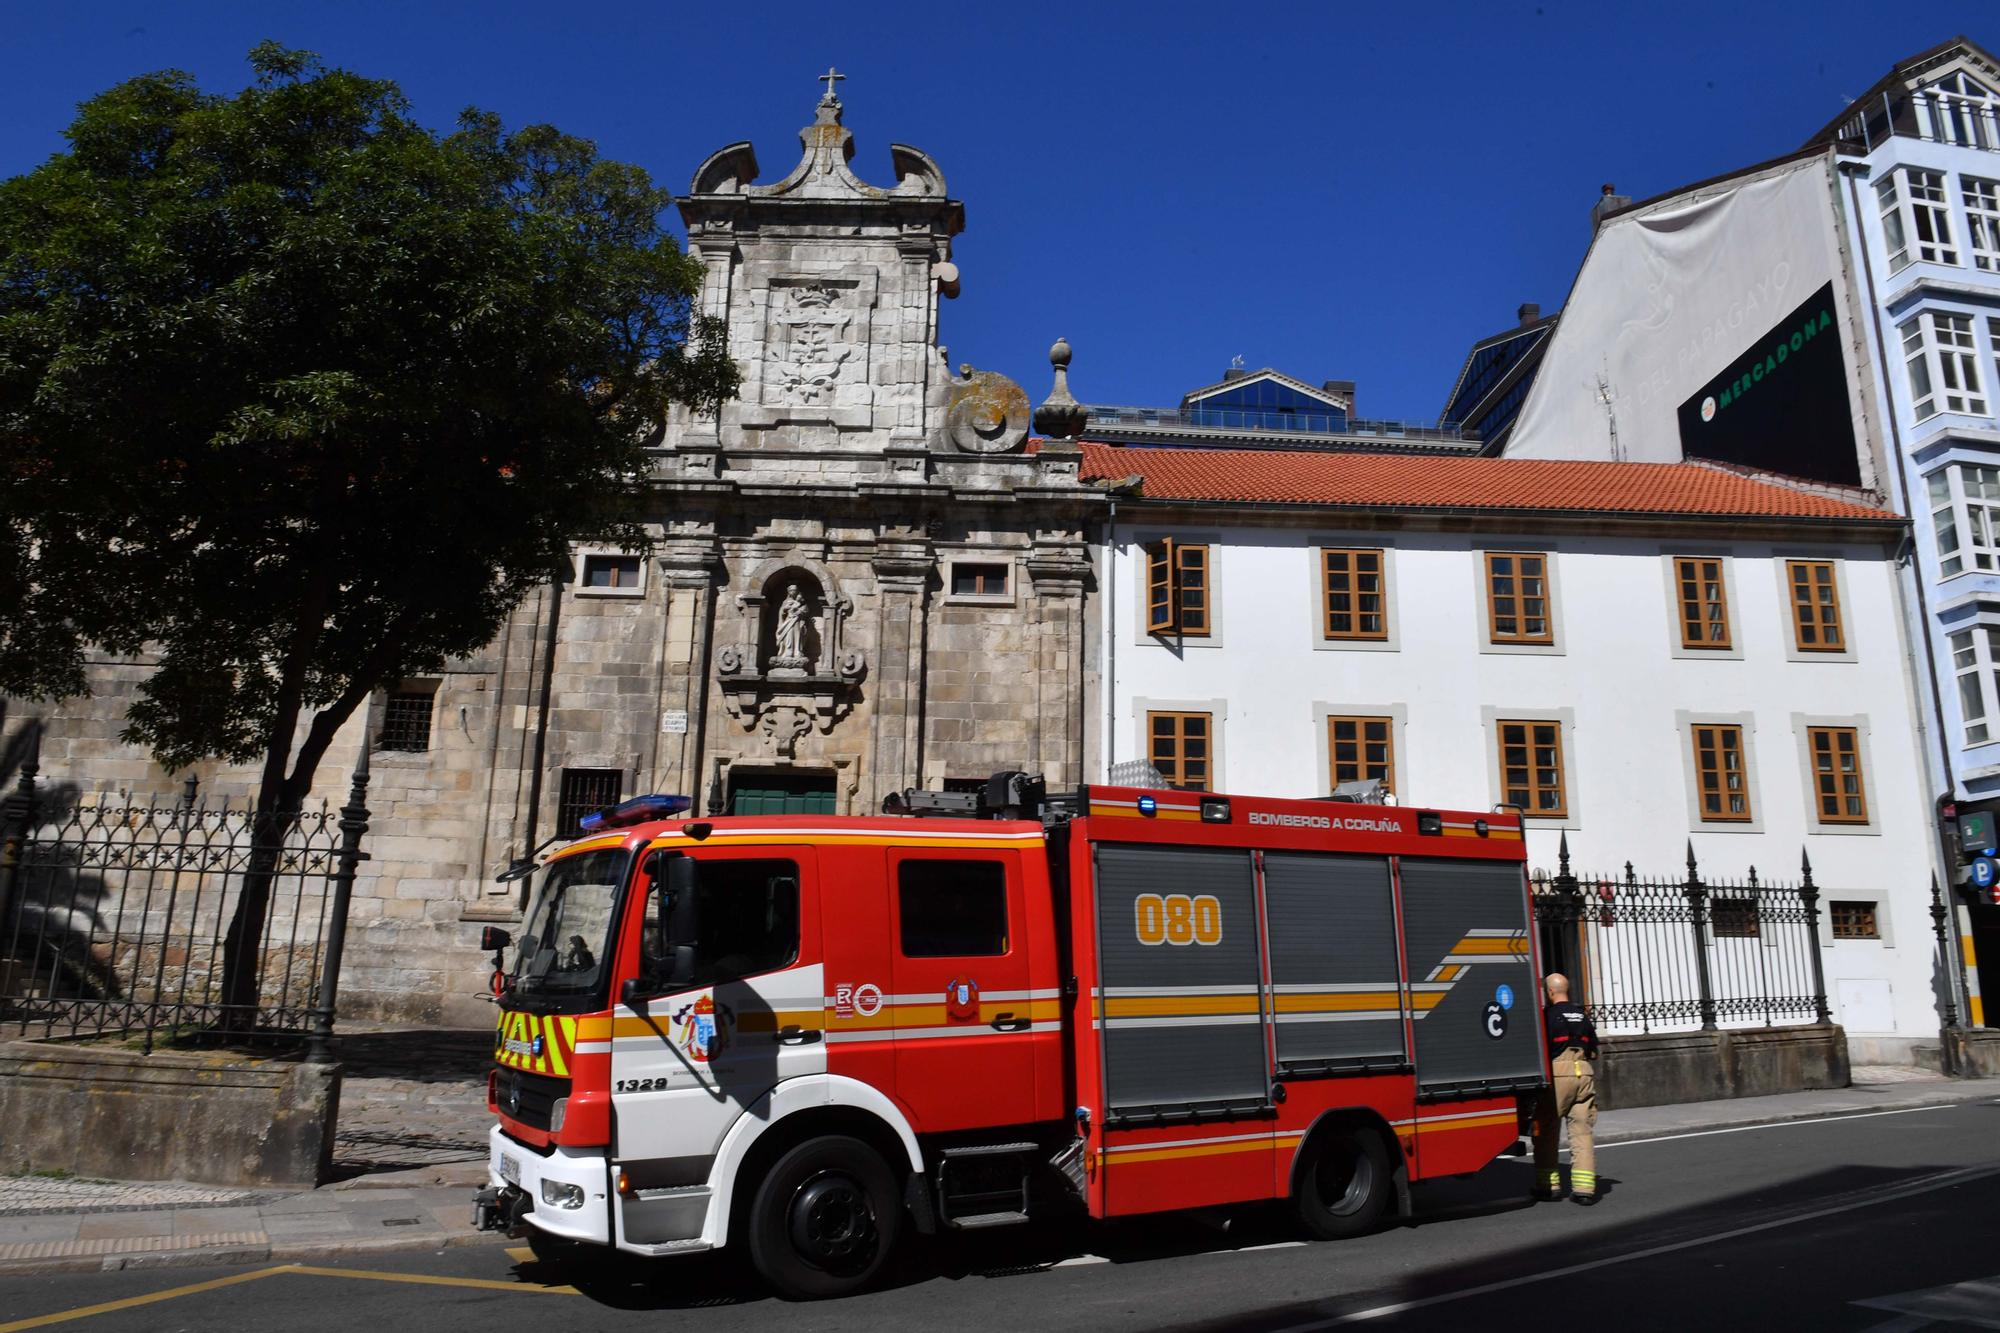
(563, 1191)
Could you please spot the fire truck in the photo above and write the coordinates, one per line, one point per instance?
(807, 1036)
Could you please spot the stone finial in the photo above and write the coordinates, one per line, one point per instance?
(1060, 416)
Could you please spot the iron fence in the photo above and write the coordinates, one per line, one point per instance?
(116, 918)
(1666, 955)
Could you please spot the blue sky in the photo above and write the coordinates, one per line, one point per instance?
(1340, 191)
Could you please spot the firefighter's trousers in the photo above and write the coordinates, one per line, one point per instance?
(1572, 1099)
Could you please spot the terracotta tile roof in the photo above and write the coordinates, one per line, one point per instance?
(1257, 476)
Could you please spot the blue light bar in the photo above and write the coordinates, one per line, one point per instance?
(635, 811)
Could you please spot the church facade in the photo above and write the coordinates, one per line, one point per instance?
(863, 581)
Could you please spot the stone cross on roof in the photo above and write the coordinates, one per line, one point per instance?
(829, 78)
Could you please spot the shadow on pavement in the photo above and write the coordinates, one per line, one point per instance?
(421, 1055)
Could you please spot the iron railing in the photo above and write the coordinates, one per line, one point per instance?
(115, 915)
(1667, 955)
(1929, 114)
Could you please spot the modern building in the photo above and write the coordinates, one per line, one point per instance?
(1646, 660)
(1266, 409)
(1495, 379)
(1832, 316)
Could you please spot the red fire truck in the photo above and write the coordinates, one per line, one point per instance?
(803, 1035)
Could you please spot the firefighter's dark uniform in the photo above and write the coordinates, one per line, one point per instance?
(1572, 1051)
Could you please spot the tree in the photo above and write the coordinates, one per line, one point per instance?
(301, 398)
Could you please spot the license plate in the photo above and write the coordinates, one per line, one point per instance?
(510, 1168)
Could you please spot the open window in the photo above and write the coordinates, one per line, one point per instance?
(1177, 588)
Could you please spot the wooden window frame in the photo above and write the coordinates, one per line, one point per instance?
(975, 569)
(1534, 783)
(1351, 558)
(1514, 599)
(1714, 743)
(618, 563)
(1693, 584)
(1826, 616)
(1180, 588)
(1360, 742)
(1825, 781)
(1178, 761)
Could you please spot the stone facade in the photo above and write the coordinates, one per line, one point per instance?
(937, 572)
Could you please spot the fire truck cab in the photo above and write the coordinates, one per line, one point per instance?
(804, 1035)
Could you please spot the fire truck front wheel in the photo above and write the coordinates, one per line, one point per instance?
(1344, 1182)
(824, 1219)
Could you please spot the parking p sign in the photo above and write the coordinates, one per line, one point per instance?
(1983, 872)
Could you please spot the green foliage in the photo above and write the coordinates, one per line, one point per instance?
(303, 398)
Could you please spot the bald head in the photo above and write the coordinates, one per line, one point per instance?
(1557, 986)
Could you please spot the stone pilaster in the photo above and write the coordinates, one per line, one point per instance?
(903, 568)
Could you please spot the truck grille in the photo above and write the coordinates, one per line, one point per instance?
(529, 1098)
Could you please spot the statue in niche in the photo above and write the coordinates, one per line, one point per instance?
(794, 620)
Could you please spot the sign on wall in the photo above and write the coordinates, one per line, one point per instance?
(1782, 405)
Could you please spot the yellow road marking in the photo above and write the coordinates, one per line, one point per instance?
(521, 1254)
(426, 1280)
(133, 1302)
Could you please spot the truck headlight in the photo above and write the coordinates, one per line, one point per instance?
(558, 1195)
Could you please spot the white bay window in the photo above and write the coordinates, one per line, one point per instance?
(1974, 652)
(1916, 218)
(1965, 516)
(1982, 221)
(1943, 360)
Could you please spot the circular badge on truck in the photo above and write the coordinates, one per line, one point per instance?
(1495, 1019)
(1504, 997)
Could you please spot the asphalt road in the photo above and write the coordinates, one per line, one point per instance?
(1880, 1221)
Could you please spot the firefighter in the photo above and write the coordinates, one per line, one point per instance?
(1572, 1097)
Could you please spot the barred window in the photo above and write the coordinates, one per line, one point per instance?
(406, 721)
(1360, 748)
(1517, 597)
(1179, 746)
(1854, 920)
(1531, 768)
(1352, 595)
(1720, 780)
(1816, 624)
(1704, 602)
(1734, 918)
(1839, 795)
(585, 791)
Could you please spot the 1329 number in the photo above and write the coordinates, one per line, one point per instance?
(1176, 918)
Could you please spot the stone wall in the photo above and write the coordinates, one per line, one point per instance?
(120, 1115)
(1671, 1067)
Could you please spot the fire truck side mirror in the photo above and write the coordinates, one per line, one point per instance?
(677, 879)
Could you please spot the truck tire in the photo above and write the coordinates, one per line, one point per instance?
(1344, 1182)
(824, 1219)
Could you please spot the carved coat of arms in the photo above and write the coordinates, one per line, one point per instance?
(810, 353)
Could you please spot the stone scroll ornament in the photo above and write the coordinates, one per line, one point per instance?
(987, 414)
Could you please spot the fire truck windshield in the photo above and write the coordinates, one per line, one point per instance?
(565, 940)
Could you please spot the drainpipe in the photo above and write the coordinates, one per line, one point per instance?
(542, 711)
(1110, 637)
(1954, 957)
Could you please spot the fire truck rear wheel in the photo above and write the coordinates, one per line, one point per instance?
(824, 1219)
(1344, 1183)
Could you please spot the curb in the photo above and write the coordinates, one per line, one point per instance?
(216, 1256)
(1755, 1120)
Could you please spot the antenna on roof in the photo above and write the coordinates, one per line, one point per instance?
(1604, 395)
(1236, 362)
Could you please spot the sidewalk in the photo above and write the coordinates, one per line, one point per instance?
(73, 1226)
